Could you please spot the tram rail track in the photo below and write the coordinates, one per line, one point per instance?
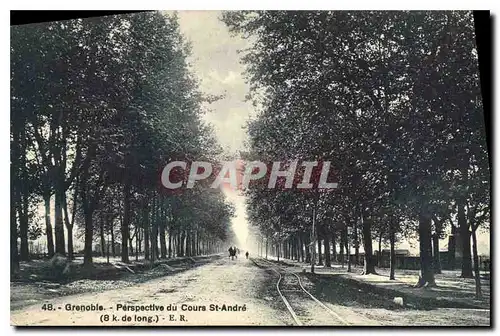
(292, 292)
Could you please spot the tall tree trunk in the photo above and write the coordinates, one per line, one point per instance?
(58, 223)
(193, 243)
(139, 238)
(89, 235)
(183, 240)
(477, 276)
(300, 250)
(313, 236)
(465, 239)
(15, 185)
(155, 235)
(347, 250)
(320, 255)
(379, 254)
(131, 245)
(177, 244)
(334, 247)
(291, 249)
(342, 245)
(297, 246)
(163, 242)
(14, 254)
(180, 244)
(170, 242)
(112, 232)
(126, 220)
(154, 230)
(70, 223)
(197, 244)
(452, 244)
(101, 236)
(438, 225)
(369, 266)
(425, 232)
(307, 248)
(146, 233)
(188, 244)
(137, 242)
(153, 240)
(266, 247)
(174, 244)
(22, 194)
(194, 249)
(437, 258)
(199, 237)
(23, 228)
(301, 247)
(356, 242)
(107, 252)
(48, 226)
(392, 239)
(328, 262)
(131, 239)
(88, 211)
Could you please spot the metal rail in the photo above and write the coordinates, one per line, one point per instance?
(287, 304)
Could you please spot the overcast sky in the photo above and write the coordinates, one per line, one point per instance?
(215, 61)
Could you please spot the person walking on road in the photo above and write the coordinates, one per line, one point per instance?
(246, 254)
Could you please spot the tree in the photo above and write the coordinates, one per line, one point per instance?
(90, 102)
(376, 93)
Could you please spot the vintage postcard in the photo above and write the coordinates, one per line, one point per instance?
(250, 168)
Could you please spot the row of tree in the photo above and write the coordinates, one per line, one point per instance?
(393, 100)
(98, 107)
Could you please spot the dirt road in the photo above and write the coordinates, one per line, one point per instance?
(200, 296)
(232, 293)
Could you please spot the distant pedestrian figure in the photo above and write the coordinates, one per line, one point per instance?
(246, 254)
(231, 254)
